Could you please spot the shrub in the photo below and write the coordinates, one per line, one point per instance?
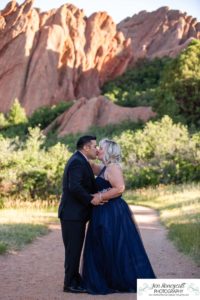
(33, 184)
(162, 152)
(28, 170)
(43, 116)
(100, 132)
(178, 94)
(137, 86)
(1, 202)
(3, 121)
(16, 114)
(159, 152)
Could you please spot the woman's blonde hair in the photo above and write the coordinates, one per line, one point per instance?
(112, 151)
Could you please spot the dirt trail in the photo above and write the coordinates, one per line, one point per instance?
(36, 273)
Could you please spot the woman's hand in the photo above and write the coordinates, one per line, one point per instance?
(98, 199)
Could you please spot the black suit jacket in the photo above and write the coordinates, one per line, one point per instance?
(78, 185)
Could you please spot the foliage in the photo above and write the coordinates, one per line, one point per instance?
(17, 114)
(3, 247)
(3, 121)
(138, 85)
(15, 122)
(11, 125)
(162, 152)
(28, 170)
(179, 92)
(159, 152)
(1, 203)
(43, 116)
(170, 86)
(100, 132)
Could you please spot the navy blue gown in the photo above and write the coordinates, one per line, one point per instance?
(114, 255)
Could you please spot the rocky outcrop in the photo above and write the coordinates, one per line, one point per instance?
(163, 32)
(57, 55)
(62, 55)
(97, 111)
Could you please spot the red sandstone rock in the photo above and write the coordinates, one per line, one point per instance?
(97, 111)
(59, 55)
(163, 32)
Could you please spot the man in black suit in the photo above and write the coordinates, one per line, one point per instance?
(75, 208)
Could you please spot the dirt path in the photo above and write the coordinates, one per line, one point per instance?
(36, 273)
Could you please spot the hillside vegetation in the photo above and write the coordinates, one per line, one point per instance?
(164, 150)
(171, 86)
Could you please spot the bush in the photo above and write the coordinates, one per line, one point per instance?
(170, 86)
(162, 152)
(178, 94)
(3, 248)
(3, 121)
(28, 170)
(1, 202)
(16, 114)
(100, 132)
(33, 184)
(12, 126)
(43, 116)
(137, 86)
(158, 152)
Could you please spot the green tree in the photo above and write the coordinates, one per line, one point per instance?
(179, 92)
(136, 86)
(3, 121)
(16, 114)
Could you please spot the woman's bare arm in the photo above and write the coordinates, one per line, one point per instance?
(114, 175)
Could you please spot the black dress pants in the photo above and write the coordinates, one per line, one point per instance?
(73, 233)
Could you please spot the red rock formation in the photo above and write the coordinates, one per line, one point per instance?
(163, 32)
(97, 111)
(61, 54)
(56, 55)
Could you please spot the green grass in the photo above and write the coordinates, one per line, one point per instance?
(179, 209)
(20, 226)
(3, 247)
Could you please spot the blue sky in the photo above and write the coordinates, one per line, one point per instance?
(120, 9)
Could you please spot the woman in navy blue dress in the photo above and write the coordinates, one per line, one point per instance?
(114, 255)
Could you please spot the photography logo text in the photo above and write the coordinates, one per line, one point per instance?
(168, 289)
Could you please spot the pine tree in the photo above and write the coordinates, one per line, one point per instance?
(16, 114)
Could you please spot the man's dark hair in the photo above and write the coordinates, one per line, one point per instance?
(83, 140)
